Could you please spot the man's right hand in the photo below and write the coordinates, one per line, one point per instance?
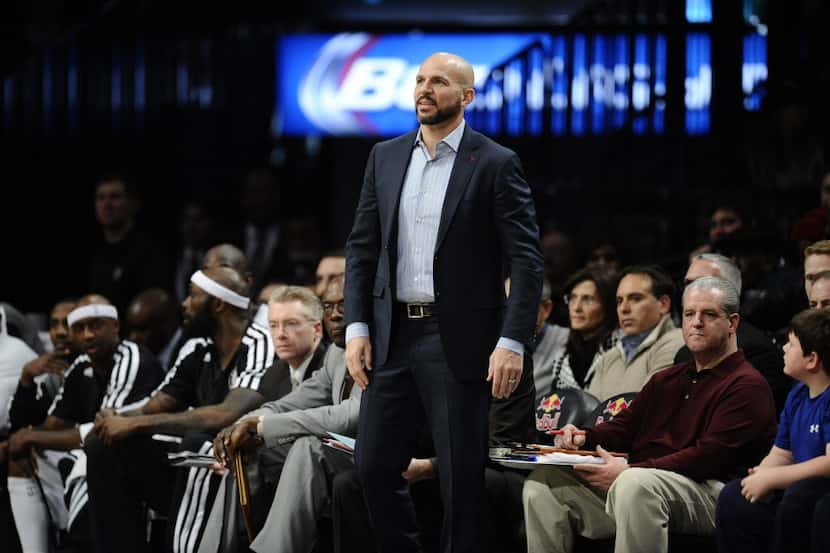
(20, 443)
(567, 439)
(104, 414)
(54, 362)
(358, 357)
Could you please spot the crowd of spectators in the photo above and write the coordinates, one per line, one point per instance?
(234, 343)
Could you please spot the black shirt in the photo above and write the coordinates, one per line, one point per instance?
(196, 378)
(135, 373)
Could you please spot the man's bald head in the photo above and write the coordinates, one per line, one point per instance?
(229, 278)
(443, 89)
(226, 255)
(459, 69)
(153, 299)
(152, 319)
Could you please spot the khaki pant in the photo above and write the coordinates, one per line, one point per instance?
(640, 508)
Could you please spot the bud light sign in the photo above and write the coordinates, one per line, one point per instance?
(362, 84)
(527, 84)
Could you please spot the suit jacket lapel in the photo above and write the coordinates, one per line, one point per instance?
(462, 170)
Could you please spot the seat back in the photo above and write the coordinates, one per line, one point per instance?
(563, 406)
(610, 408)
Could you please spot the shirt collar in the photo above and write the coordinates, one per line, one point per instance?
(301, 369)
(726, 366)
(167, 351)
(453, 140)
(631, 343)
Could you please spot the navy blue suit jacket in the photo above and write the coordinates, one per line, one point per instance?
(487, 231)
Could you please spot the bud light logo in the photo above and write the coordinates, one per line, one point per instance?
(527, 84)
(363, 84)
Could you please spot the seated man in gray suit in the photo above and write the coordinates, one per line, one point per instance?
(288, 430)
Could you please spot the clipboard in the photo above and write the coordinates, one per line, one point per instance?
(527, 457)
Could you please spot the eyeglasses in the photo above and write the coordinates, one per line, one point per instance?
(585, 301)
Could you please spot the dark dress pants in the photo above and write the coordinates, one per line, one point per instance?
(780, 524)
(121, 480)
(820, 538)
(416, 387)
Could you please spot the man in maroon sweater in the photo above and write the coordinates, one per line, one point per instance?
(693, 426)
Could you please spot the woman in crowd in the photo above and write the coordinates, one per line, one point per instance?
(590, 297)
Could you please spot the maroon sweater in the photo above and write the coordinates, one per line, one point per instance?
(707, 425)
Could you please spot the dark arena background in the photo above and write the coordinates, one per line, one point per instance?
(634, 119)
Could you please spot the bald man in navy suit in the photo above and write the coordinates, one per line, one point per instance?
(444, 216)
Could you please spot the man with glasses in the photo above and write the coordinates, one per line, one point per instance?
(300, 465)
(295, 318)
(691, 428)
(650, 339)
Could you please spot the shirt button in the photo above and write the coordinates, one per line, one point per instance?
(694, 381)
(686, 396)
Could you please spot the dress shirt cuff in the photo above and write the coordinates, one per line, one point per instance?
(512, 345)
(356, 330)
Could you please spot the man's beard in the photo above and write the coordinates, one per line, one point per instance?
(441, 114)
(202, 322)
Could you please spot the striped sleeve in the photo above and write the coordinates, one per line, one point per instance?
(62, 407)
(259, 356)
(135, 374)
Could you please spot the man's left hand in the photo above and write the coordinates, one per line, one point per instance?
(113, 428)
(602, 476)
(419, 469)
(504, 372)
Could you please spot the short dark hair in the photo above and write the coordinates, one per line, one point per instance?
(334, 252)
(661, 283)
(812, 328)
(124, 178)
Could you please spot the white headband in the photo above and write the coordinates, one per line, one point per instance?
(218, 291)
(92, 310)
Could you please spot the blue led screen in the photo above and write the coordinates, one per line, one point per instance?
(527, 84)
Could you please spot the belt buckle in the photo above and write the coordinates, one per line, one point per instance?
(415, 311)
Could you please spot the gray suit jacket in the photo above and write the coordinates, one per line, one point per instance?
(316, 407)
